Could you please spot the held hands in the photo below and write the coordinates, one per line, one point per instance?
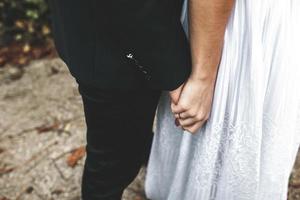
(191, 103)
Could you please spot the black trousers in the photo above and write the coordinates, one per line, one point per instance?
(119, 137)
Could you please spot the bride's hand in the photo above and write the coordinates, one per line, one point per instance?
(194, 105)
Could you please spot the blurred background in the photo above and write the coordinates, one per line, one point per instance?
(42, 127)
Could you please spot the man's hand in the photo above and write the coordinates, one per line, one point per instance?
(175, 94)
(194, 104)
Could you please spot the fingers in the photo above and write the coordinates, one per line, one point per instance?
(183, 112)
(192, 122)
(178, 108)
(194, 127)
(181, 116)
(187, 122)
(188, 114)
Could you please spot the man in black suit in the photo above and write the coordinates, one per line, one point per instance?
(122, 55)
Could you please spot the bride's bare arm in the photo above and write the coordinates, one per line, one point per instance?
(207, 23)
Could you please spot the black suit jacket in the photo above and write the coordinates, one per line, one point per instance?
(122, 43)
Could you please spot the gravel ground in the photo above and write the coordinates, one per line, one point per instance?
(42, 135)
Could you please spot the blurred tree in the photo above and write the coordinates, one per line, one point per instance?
(24, 21)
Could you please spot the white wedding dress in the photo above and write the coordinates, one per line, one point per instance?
(247, 148)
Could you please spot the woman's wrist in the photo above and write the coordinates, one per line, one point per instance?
(206, 62)
(205, 71)
(203, 77)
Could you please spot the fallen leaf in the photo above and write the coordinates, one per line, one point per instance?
(46, 128)
(75, 156)
(6, 170)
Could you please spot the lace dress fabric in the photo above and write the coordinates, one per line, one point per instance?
(247, 148)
